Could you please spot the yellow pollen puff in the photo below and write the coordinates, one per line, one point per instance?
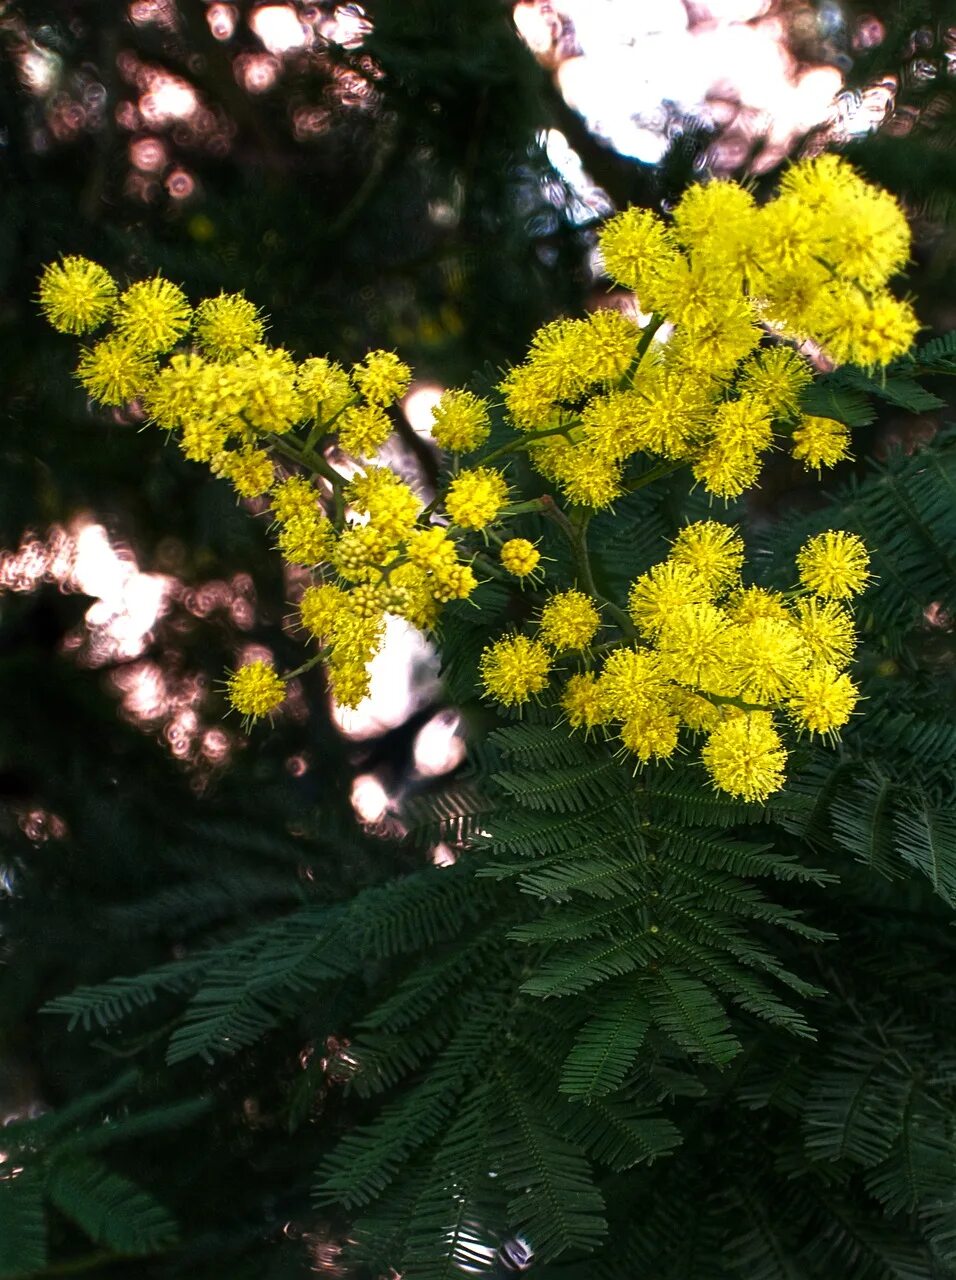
(203, 440)
(714, 551)
(255, 690)
(520, 557)
(181, 391)
(834, 565)
(113, 372)
(629, 679)
(306, 539)
(657, 594)
(460, 421)
(756, 602)
(382, 378)
(271, 400)
(513, 669)
(651, 732)
(250, 471)
(823, 700)
(745, 756)
(765, 657)
(363, 429)
(228, 325)
(726, 468)
(827, 631)
(634, 245)
(776, 376)
(76, 295)
(694, 647)
(454, 582)
(359, 552)
(391, 504)
(320, 608)
(324, 387)
(820, 442)
(475, 497)
(349, 682)
(153, 315)
(569, 620)
(294, 496)
(583, 703)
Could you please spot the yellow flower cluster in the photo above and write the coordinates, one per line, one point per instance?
(713, 657)
(731, 279)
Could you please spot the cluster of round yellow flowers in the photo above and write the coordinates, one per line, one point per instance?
(809, 267)
(711, 382)
(235, 403)
(713, 657)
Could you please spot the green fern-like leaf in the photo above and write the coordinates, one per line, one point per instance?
(109, 1208)
(23, 1242)
(606, 1046)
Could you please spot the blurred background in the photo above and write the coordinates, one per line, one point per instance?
(423, 175)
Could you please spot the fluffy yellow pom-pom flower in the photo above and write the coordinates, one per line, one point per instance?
(714, 551)
(820, 442)
(228, 325)
(634, 244)
(569, 620)
(834, 565)
(460, 421)
(382, 378)
(250, 471)
(475, 497)
(320, 608)
(294, 496)
(693, 647)
(630, 679)
(363, 429)
(153, 315)
(324, 387)
(520, 557)
(823, 699)
(756, 602)
(513, 669)
(827, 630)
(306, 539)
(745, 757)
(650, 733)
(76, 295)
(271, 399)
(255, 690)
(204, 440)
(656, 595)
(583, 702)
(113, 372)
(777, 376)
(765, 657)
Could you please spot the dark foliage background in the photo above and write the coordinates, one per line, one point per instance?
(421, 214)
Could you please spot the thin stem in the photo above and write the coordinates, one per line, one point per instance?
(522, 443)
(656, 473)
(307, 665)
(579, 545)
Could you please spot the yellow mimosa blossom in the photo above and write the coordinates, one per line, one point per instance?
(475, 497)
(255, 690)
(513, 669)
(834, 565)
(569, 620)
(152, 315)
(227, 325)
(520, 557)
(460, 421)
(745, 756)
(76, 295)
